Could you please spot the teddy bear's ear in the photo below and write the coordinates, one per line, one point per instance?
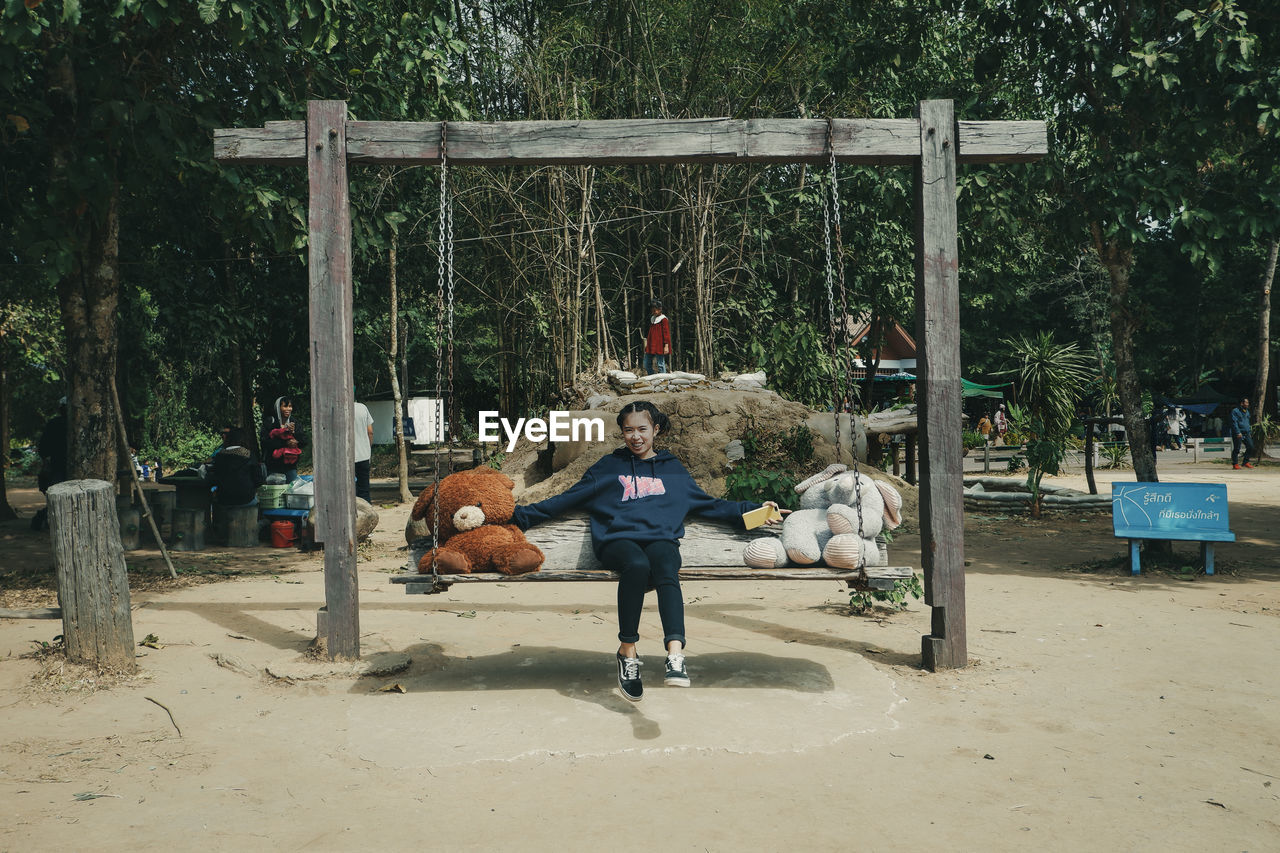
(892, 504)
(486, 471)
(423, 504)
(827, 473)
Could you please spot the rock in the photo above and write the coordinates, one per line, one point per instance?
(595, 401)
(366, 519)
(416, 529)
(735, 451)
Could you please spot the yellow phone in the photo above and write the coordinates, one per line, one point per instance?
(763, 515)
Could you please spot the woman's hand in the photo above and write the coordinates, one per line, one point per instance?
(783, 512)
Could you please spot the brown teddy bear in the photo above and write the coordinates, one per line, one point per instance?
(475, 507)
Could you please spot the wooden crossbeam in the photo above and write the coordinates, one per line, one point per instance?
(610, 142)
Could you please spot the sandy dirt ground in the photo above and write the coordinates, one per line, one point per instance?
(1099, 712)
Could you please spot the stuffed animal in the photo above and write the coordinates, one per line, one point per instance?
(475, 536)
(289, 455)
(826, 527)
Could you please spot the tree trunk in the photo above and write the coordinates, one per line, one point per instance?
(89, 294)
(89, 298)
(401, 450)
(6, 511)
(703, 273)
(1119, 263)
(241, 405)
(1264, 330)
(873, 344)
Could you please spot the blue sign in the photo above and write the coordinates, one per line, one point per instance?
(1163, 510)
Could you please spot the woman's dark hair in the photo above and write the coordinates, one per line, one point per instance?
(285, 400)
(655, 303)
(661, 423)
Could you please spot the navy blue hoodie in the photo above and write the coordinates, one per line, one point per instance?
(642, 500)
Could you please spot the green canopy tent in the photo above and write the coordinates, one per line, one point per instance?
(973, 389)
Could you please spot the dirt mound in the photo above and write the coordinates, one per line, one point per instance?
(704, 422)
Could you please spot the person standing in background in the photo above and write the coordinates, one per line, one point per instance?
(363, 447)
(1241, 435)
(1174, 421)
(984, 427)
(282, 440)
(657, 344)
(1002, 425)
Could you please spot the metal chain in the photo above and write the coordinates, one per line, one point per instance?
(844, 367)
(831, 308)
(449, 281)
(445, 255)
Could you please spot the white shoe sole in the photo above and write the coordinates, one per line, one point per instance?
(676, 682)
(631, 699)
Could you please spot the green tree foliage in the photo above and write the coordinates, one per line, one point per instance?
(1139, 98)
(106, 155)
(1146, 224)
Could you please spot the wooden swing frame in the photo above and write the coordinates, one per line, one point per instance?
(933, 143)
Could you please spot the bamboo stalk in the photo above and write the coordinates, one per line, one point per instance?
(146, 508)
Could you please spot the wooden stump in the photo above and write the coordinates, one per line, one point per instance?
(188, 529)
(241, 525)
(93, 586)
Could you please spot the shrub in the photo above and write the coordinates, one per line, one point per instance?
(863, 601)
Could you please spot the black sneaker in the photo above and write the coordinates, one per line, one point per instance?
(629, 678)
(676, 674)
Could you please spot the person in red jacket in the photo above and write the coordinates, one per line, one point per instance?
(658, 343)
(282, 440)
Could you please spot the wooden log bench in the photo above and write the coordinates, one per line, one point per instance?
(239, 525)
(709, 552)
(188, 529)
(1194, 512)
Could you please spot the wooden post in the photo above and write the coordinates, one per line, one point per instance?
(93, 585)
(1088, 458)
(939, 397)
(909, 452)
(332, 376)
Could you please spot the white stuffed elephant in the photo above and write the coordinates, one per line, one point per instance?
(826, 527)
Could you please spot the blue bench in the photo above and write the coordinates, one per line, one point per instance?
(1188, 511)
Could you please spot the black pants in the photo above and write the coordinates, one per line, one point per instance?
(645, 566)
(1239, 440)
(362, 480)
